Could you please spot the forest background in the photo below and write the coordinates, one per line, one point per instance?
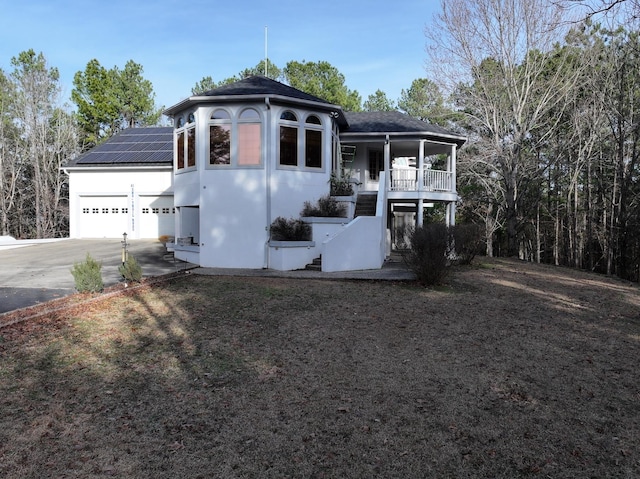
(547, 92)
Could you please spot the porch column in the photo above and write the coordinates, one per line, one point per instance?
(450, 215)
(452, 168)
(420, 215)
(421, 166)
(387, 163)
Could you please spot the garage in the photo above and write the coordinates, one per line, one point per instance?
(156, 216)
(103, 216)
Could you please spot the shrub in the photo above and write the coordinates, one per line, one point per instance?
(283, 229)
(131, 270)
(88, 275)
(326, 206)
(467, 242)
(427, 254)
(340, 186)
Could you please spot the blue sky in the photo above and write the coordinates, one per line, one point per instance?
(374, 43)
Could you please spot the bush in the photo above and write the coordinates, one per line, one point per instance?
(88, 275)
(340, 186)
(467, 239)
(131, 270)
(326, 206)
(283, 229)
(428, 252)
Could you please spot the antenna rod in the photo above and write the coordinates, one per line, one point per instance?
(266, 58)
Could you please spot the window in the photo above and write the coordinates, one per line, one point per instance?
(180, 148)
(191, 147)
(85, 210)
(145, 210)
(376, 164)
(313, 143)
(220, 138)
(165, 211)
(155, 210)
(186, 142)
(249, 134)
(95, 210)
(105, 210)
(125, 210)
(288, 139)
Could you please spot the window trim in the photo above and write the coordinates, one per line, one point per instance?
(185, 141)
(233, 122)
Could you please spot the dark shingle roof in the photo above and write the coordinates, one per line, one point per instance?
(259, 85)
(132, 146)
(389, 122)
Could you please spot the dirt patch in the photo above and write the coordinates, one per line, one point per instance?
(511, 370)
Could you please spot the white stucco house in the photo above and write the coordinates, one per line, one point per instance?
(243, 154)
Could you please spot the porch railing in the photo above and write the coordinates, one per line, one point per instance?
(406, 179)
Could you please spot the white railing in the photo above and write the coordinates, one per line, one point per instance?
(437, 180)
(405, 179)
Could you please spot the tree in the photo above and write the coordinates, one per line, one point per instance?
(203, 86)
(425, 101)
(323, 80)
(47, 138)
(110, 100)
(11, 164)
(207, 83)
(378, 101)
(501, 51)
(272, 71)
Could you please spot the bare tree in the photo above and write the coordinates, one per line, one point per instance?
(47, 138)
(499, 56)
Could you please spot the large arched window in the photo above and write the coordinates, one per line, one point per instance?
(249, 135)
(313, 142)
(220, 138)
(288, 139)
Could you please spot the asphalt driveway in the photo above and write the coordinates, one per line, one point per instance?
(36, 271)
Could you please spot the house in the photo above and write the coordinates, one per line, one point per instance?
(124, 185)
(249, 152)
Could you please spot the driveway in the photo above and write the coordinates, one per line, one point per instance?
(36, 271)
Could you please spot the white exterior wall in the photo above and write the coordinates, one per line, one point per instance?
(109, 186)
(238, 204)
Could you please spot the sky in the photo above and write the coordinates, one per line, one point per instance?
(375, 44)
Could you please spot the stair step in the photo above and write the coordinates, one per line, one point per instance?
(315, 265)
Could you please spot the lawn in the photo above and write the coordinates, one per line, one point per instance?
(510, 370)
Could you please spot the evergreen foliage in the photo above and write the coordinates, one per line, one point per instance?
(88, 275)
(131, 270)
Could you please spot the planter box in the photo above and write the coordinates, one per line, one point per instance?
(291, 255)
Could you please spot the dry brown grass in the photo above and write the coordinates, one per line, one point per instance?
(512, 370)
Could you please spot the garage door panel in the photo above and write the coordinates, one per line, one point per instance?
(103, 216)
(157, 216)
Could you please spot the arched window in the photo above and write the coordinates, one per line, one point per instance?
(220, 138)
(313, 142)
(288, 139)
(249, 138)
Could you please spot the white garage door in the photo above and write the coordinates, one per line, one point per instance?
(103, 216)
(156, 216)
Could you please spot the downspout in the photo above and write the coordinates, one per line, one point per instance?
(267, 161)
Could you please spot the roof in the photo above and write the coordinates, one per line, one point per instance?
(259, 85)
(394, 122)
(254, 88)
(151, 146)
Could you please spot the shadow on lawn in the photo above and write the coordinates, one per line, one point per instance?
(513, 370)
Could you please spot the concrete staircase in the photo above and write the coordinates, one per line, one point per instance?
(316, 265)
(366, 204)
